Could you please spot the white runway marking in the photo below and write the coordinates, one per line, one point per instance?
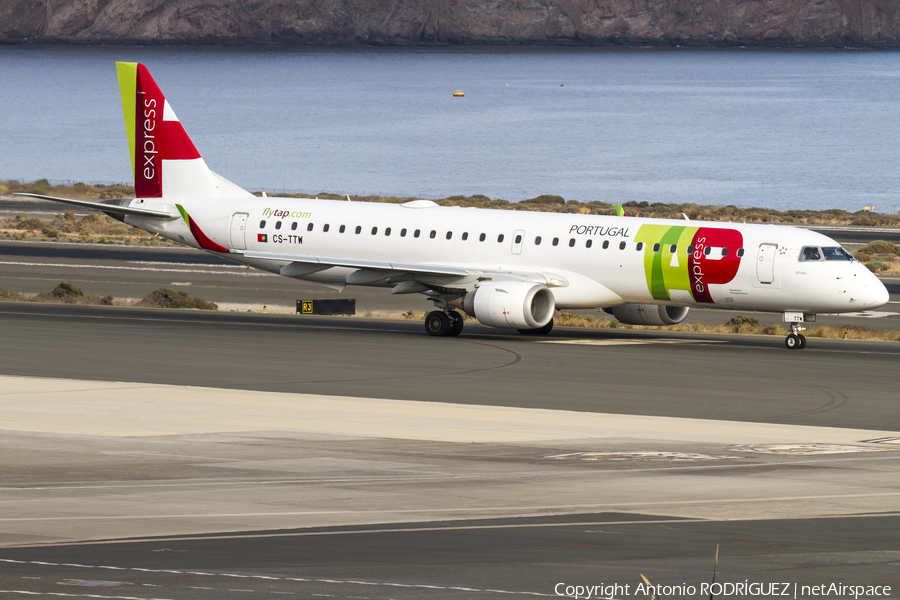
(421, 586)
(804, 449)
(205, 270)
(661, 455)
(868, 314)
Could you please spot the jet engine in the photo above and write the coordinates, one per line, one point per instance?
(648, 314)
(510, 304)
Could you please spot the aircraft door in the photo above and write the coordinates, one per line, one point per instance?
(765, 264)
(239, 231)
(518, 240)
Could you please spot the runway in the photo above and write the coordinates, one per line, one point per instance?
(183, 454)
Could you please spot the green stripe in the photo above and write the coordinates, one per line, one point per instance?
(128, 89)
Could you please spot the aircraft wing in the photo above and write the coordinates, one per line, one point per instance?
(324, 263)
(409, 277)
(107, 208)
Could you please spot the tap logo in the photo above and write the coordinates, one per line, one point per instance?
(282, 214)
(713, 259)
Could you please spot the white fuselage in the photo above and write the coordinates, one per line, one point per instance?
(587, 260)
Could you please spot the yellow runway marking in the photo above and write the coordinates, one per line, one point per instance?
(627, 342)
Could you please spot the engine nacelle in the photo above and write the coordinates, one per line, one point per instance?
(511, 304)
(648, 314)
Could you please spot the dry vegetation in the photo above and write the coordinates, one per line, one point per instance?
(545, 202)
(93, 228)
(66, 293)
(880, 256)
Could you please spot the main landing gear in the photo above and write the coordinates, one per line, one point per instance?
(438, 322)
(795, 340)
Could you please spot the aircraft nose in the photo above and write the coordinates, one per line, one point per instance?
(873, 293)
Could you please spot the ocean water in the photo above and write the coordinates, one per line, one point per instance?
(777, 129)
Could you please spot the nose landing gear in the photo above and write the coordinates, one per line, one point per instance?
(795, 340)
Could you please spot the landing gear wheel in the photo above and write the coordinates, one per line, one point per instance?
(456, 324)
(437, 323)
(539, 331)
(795, 340)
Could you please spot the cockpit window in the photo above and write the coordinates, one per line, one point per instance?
(810, 253)
(824, 253)
(836, 253)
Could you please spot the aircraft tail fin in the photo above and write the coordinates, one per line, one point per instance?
(164, 161)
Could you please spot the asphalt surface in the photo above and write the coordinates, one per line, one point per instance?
(508, 558)
(835, 383)
(286, 512)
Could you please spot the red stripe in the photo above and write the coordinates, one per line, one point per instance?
(155, 139)
(205, 242)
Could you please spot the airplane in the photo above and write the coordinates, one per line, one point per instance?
(507, 269)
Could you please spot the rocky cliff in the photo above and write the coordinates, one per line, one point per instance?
(417, 22)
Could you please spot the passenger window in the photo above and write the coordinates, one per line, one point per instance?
(262, 224)
(656, 247)
(571, 242)
(556, 241)
(622, 246)
(374, 230)
(639, 246)
(537, 241)
(387, 231)
(724, 251)
(465, 235)
(309, 227)
(707, 251)
(294, 226)
(690, 249)
(605, 244)
(403, 232)
(326, 227)
(417, 232)
(588, 243)
(358, 230)
(278, 225)
(500, 238)
(449, 234)
(673, 248)
(518, 239)
(740, 252)
(433, 233)
(342, 229)
(481, 237)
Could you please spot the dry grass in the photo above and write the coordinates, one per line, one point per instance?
(66, 293)
(880, 256)
(93, 228)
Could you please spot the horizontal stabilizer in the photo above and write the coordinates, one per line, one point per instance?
(107, 208)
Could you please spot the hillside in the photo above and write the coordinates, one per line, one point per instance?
(439, 22)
